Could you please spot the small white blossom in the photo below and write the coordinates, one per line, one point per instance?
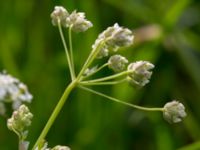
(78, 22)
(139, 72)
(13, 91)
(75, 20)
(59, 15)
(117, 63)
(20, 120)
(113, 37)
(174, 112)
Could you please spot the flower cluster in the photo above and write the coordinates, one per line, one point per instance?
(174, 112)
(20, 120)
(117, 63)
(13, 91)
(76, 20)
(139, 72)
(112, 39)
(59, 15)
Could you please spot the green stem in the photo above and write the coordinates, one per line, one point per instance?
(90, 59)
(66, 50)
(102, 83)
(122, 102)
(98, 69)
(71, 51)
(55, 113)
(108, 77)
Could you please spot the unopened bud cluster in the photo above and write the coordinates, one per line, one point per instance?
(140, 72)
(13, 91)
(75, 20)
(117, 63)
(20, 119)
(174, 112)
(112, 39)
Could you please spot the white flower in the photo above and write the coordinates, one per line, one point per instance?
(174, 112)
(59, 15)
(75, 20)
(13, 91)
(117, 63)
(139, 72)
(78, 22)
(113, 37)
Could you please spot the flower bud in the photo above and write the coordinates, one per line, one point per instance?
(174, 112)
(78, 22)
(120, 37)
(114, 38)
(59, 15)
(139, 72)
(20, 119)
(117, 63)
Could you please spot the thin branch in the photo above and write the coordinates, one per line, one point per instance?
(66, 50)
(108, 77)
(102, 83)
(122, 102)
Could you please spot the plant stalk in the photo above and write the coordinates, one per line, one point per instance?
(120, 101)
(55, 113)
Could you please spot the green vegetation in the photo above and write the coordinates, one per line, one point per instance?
(166, 34)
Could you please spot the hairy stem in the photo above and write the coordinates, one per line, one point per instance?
(55, 113)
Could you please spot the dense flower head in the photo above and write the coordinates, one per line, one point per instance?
(13, 91)
(113, 37)
(59, 15)
(117, 63)
(139, 72)
(77, 21)
(20, 119)
(174, 112)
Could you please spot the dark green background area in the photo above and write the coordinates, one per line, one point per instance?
(167, 33)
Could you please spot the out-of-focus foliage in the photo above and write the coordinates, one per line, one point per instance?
(166, 33)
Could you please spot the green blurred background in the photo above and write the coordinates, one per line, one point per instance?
(166, 33)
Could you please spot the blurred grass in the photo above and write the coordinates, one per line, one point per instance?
(30, 48)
